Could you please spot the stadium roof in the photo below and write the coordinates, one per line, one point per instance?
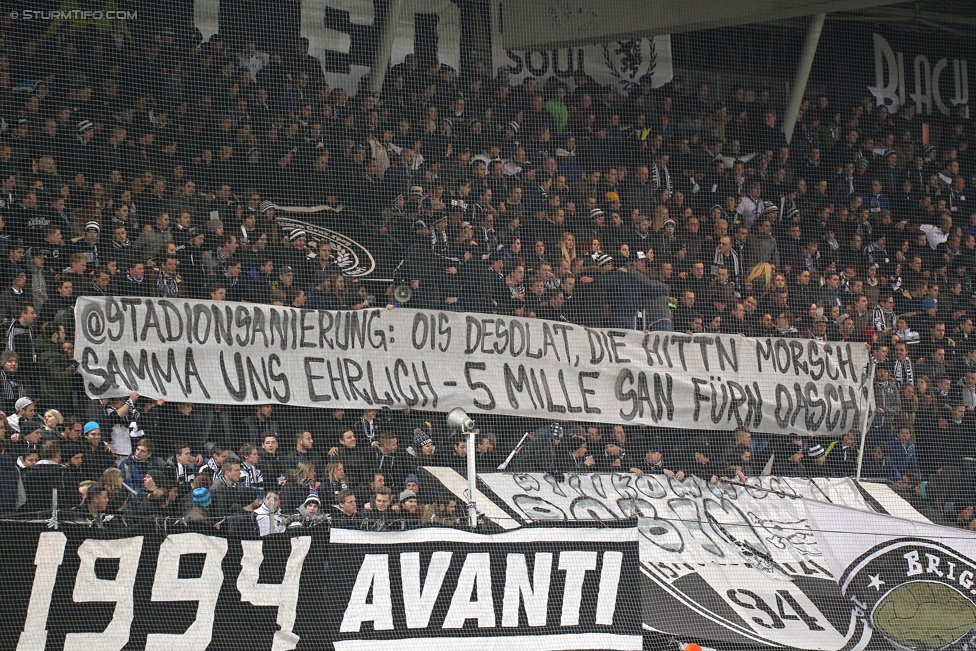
(561, 23)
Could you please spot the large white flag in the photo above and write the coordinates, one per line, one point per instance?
(912, 582)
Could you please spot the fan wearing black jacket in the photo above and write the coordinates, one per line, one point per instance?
(98, 453)
(354, 459)
(44, 477)
(272, 463)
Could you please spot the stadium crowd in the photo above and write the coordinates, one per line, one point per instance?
(153, 165)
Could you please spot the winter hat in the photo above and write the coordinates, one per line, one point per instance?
(596, 212)
(814, 451)
(69, 450)
(85, 125)
(669, 221)
(421, 437)
(297, 233)
(92, 226)
(416, 191)
(201, 497)
(312, 499)
(929, 303)
(265, 206)
(28, 426)
(407, 495)
(411, 478)
(23, 403)
(162, 477)
(91, 425)
(602, 260)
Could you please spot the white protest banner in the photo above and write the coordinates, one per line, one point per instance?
(242, 353)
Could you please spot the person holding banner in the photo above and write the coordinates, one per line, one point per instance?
(657, 461)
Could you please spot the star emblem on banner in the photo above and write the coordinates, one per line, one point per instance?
(876, 581)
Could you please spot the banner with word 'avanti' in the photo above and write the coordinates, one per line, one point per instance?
(242, 353)
(422, 590)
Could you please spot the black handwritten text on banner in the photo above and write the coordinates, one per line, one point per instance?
(224, 352)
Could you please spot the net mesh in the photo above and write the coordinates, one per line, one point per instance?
(716, 352)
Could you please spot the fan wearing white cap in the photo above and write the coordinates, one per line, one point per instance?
(25, 411)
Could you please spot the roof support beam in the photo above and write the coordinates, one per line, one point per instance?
(802, 74)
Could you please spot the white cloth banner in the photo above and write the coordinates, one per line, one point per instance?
(227, 353)
(355, 42)
(620, 64)
(912, 582)
(724, 562)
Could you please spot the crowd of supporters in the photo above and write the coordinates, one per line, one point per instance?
(151, 164)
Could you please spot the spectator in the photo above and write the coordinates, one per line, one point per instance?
(389, 460)
(303, 449)
(201, 513)
(98, 453)
(902, 454)
(182, 466)
(135, 467)
(842, 456)
(300, 482)
(259, 422)
(268, 515)
(307, 513)
(887, 402)
(218, 455)
(346, 515)
(25, 409)
(21, 340)
(229, 494)
(94, 509)
(162, 501)
(44, 477)
(335, 474)
(272, 463)
(379, 512)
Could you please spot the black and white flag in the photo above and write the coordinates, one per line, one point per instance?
(912, 582)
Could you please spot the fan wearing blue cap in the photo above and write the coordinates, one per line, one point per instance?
(201, 512)
(201, 497)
